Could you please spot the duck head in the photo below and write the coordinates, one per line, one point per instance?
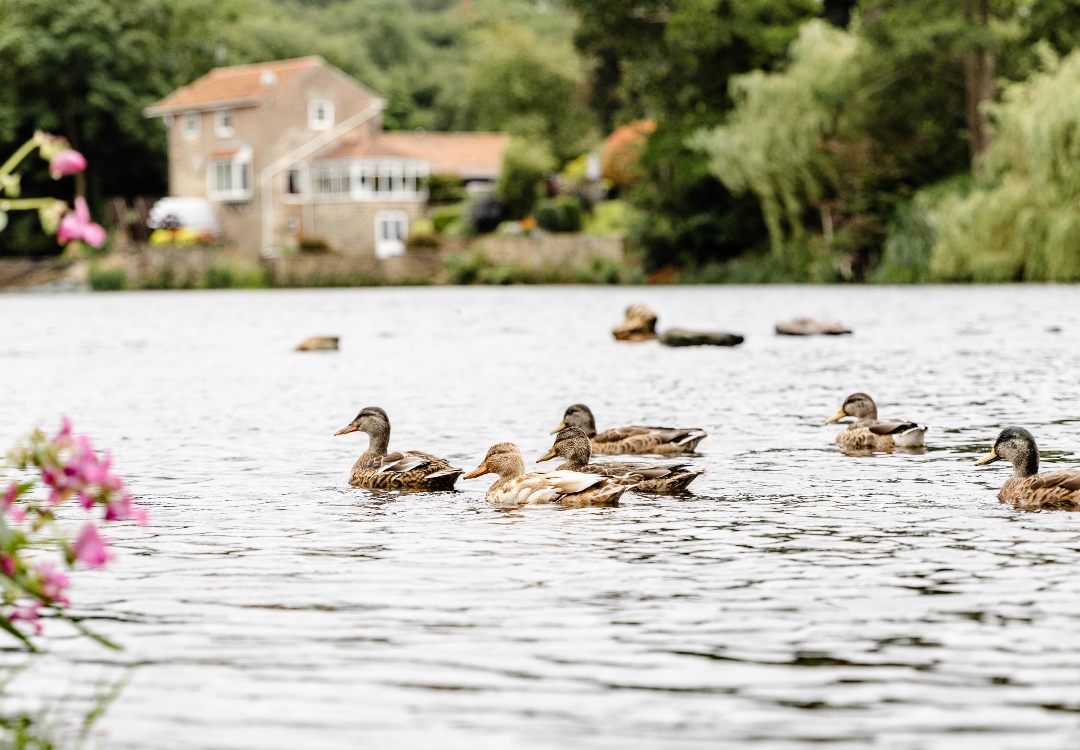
(572, 444)
(1017, 446)
(578, 416)
(857, 405)
(503, 459)
(371, 420)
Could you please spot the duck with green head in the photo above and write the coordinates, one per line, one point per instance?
(1027, 489)
(868, 433)
(572, 444)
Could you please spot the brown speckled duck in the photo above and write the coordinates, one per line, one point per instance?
(411, 470)
(515, 488)
(1027, 489)
(868, 433)
(659, 441)
(573, 445)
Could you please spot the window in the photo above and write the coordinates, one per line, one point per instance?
(332, 180)
(293, 184)
(223, 123)
(391, 229)
(190, 125)
(389, 178)
(230, 179)
(320, 114)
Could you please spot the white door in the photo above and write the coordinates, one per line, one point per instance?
(391, 229)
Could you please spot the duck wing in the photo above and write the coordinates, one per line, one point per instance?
(545, 487)
(1054, 489)
(643, 439)
(640, 469)
(891, 426)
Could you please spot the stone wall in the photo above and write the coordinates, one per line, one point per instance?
(542, 249)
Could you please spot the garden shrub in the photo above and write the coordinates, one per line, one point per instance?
(561, 214)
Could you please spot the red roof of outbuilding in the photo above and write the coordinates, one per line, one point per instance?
(239, 84)
(468, 155)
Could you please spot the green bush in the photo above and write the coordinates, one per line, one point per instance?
(445, 188)
(615, 218)
(107, 279)
(444, 216)
(219, 277)
(314, 245)
(521, 181)
(466, 268)
(561, 214)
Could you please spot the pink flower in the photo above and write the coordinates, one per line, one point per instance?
(125, 509)
(66, 161)
(90, 548)
(7, 564)
(27, 613)
(53, 582)
(77, 226)
(9, 497)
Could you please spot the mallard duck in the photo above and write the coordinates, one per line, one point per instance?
(514, 487)
(573, 445)
(870, 433)
(411, 470)
(660, 441)
(1027, 489)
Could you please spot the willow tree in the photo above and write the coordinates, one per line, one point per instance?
(773, 142)
(1025, 224)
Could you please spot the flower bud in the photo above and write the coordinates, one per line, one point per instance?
(67, 161)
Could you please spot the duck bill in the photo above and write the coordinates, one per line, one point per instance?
(989, 458)
(547, 456)
(836, 417)
(481, 470)
(560, 428)
(346, 430)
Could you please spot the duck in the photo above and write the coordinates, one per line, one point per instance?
(639, 440)
(515, 488)
(410, 470)
(1027, 489)
(870, 433)
(573, 445)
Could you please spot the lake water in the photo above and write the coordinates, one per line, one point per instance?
(797, 596)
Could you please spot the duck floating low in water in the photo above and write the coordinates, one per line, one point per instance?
(639, 440)
(514, 487)
(411, 470)
(868, 433)
(572, 444)
(1027, 489)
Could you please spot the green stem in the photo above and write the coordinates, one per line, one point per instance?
(18, 156)
(23, 204)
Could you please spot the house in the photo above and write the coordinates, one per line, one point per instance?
(295, 148)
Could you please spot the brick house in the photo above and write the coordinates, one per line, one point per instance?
(295, 148)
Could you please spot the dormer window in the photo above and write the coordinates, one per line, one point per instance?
(189, 124)
(223, 123)
(320, 114)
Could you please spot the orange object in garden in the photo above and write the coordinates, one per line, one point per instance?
(621, 153)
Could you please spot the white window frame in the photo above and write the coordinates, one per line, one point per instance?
(190, 125)
(381, 180)
(388, 247)
(239, 170)
(327, 121)
(223, 129)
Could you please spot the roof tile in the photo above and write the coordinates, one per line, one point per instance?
(233, 84)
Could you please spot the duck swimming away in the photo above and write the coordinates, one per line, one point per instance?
(573, 445)
(640, 440)
(411, 470)
(873, 434)
(1027, 489)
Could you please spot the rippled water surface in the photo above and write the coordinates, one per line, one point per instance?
(797, 596)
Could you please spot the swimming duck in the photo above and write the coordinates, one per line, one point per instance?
(1027, 489)
(515, 487)
(573, 445)
(411, 470)
(870, 433)
(660, 441)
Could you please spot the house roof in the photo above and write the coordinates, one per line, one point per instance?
(467, 155)
(236, 85)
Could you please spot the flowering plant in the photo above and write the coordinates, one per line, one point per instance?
(56, 217)
(68, 468)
